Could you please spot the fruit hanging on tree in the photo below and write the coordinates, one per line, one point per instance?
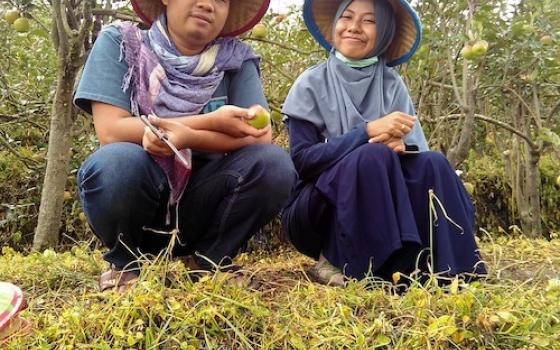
(259, 31)
(11, 15)
(21, 25)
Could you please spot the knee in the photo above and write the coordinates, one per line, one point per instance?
(114, 167)
(275, 175)
(373, 156)
(435, 161)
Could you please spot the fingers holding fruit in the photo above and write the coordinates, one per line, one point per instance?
(242, 122)
(258, 117)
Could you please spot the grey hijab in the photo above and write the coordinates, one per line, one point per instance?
(336, 97)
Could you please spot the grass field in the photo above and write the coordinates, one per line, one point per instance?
(516, 307)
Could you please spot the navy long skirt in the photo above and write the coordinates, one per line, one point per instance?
(373, 206)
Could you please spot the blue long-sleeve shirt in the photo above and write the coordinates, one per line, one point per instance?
(311, 153)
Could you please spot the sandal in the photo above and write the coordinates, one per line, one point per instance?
(18, 327)
(328, 274)
(121, 281)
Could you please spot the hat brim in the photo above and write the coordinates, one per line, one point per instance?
(319, 16)
(244, 14)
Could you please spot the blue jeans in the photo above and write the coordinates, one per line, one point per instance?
(123, 192)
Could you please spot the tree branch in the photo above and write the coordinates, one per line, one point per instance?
(495, 122)
(61, 39)
(285, 46)
(117, 15)
(26, 161)
(554, 110)
(454, 80)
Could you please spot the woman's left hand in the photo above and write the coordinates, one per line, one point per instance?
(394, 143)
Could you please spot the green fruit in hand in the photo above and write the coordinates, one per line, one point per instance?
(260, 120)
(546, 40)
(259, 31)
(467, 52)
(11, 15)
(21, 25)
(480, 47)
(469, 187)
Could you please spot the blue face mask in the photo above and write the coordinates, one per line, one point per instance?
(365, 62)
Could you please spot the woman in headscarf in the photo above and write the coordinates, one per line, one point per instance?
(362, 205)
(224, 180)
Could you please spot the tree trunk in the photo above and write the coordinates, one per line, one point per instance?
(458, 153)
(69, 33)
(532, 225)
(58, 158)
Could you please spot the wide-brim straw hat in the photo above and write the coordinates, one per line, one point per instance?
(243, 14)
(319, 19)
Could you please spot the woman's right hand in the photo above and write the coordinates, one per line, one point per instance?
(176, 133)
(230, 120)
(396, 124)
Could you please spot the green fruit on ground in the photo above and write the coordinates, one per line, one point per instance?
(558, 180)
(546, 40)
(469, 187)
(480, 47)
(276, 116)
(259, 31)
(468, 53)
(261, 118)
(11, 15)
(21, 25)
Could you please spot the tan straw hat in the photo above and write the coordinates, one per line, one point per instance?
(319, 18)
(243, 14)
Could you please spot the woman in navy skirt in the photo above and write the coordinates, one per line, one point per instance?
(364, 202)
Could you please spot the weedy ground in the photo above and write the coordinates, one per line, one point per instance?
(516, 307)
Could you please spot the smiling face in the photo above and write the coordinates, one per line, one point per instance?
(192, 24)
(355, 31)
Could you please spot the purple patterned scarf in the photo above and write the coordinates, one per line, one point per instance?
(164, 82)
